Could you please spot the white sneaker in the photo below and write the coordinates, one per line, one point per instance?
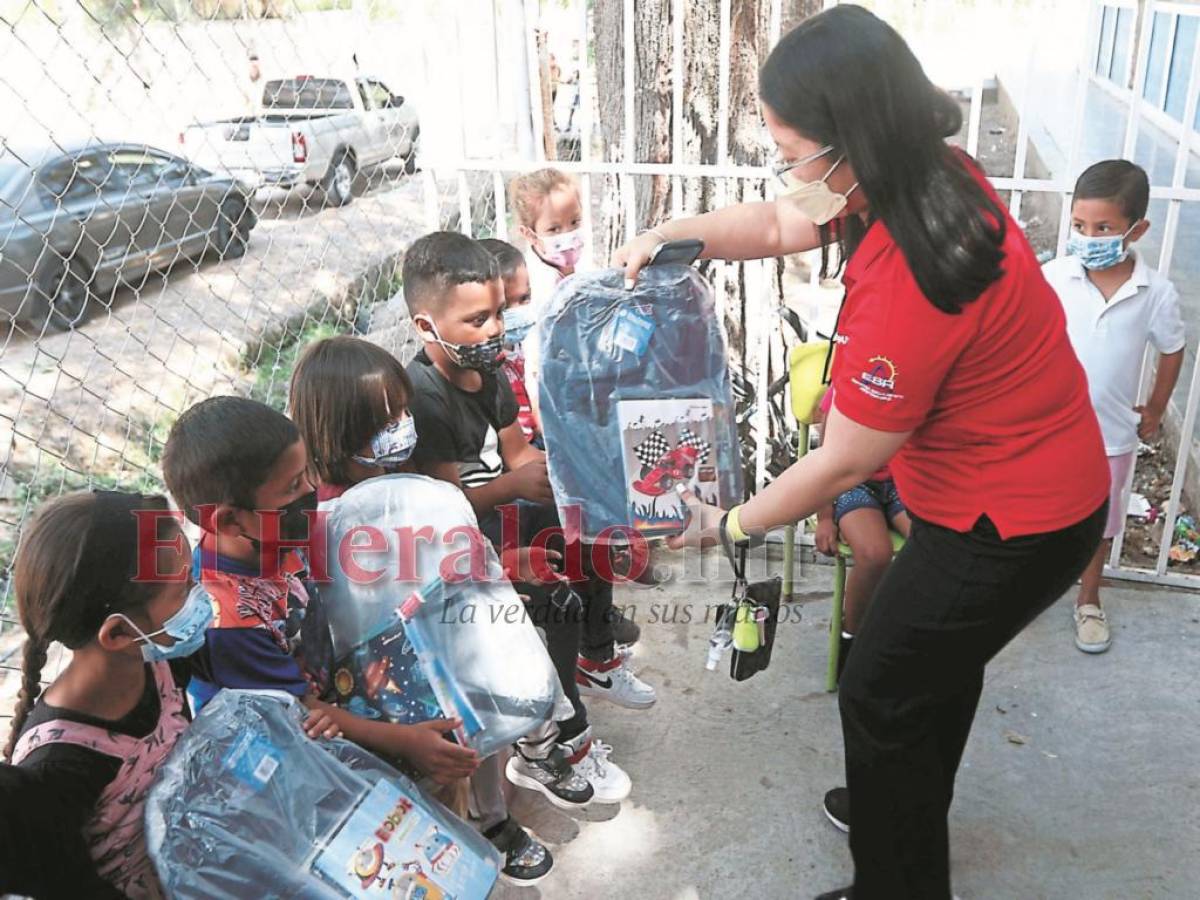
(610, 782)
(614, 681)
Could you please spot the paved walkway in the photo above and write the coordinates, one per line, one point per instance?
(1101, 800)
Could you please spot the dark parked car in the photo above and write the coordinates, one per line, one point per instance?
(76, 222)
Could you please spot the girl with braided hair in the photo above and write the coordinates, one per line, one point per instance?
(106, 575)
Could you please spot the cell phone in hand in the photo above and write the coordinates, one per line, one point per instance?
(682, 252)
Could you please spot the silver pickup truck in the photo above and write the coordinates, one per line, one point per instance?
(311, 131)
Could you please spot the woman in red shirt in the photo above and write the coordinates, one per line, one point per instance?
(953, 364)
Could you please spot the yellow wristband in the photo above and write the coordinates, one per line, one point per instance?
(733, 526)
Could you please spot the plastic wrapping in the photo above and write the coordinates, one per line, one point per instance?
(247, 805)
(465, 647)
(635, 397)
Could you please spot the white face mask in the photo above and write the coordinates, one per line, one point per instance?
(815, 199)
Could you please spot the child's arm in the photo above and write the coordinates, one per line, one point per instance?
(1169, 365)
(526, 481)
(516, 451)
(424, 744)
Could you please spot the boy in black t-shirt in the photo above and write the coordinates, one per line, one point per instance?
(468, 434)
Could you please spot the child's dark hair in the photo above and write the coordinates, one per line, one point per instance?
(440, 261)
(344, 390)
(74, 568)
(220, 451)
(508, 257)
(1119, 181)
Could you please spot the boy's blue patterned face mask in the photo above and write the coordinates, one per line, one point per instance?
(188, 627)
(518, 322)
(1099, 252)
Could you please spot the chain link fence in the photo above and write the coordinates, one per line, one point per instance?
(189, 192)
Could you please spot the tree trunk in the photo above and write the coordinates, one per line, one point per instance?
(796, 11)
(749, 44)
(749, 36)
(652, 110)
(549, 135)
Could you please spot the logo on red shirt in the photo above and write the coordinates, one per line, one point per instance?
(878, 380)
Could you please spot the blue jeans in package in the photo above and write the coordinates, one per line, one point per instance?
(635, 400)
(247, 805)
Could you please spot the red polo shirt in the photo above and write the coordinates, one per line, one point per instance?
(994, 396)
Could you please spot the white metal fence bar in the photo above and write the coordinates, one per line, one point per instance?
(499, 199)
(629, 58)
(975, 119)
(677, 13)
(533, 66)
(1183, 454)
(1081, 87)
(1145, 28)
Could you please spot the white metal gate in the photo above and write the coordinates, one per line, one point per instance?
(1096, 23)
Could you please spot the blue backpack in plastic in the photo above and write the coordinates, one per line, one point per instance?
(635, 399)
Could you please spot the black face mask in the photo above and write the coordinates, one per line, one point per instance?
(293, 523)
(484, 356)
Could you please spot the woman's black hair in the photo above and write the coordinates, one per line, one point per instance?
(846, 78)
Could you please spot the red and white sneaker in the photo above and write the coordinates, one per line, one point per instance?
(614, 681)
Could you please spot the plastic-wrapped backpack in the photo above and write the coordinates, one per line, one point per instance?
(635, 398)
(247, 805)
(440, 632)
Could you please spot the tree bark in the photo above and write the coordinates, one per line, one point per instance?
(796, 11)
(549, 135)
(749, 44)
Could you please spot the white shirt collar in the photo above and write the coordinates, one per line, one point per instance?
(1138, 278)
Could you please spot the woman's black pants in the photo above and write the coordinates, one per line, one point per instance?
(949, 602)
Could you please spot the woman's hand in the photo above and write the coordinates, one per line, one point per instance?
(632, 257)
(704, 527)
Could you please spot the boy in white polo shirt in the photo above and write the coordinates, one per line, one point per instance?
(1115, 303)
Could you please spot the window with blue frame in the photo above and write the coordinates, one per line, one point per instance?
(1156, 63)
(1104, 53)
(1181, 65)
(1122, 44)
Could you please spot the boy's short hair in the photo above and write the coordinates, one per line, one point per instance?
(344, 390)
(1118, 180)
(220, 451)
(508, 257)
(440, 261)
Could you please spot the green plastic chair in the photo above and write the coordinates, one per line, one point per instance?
(806, 365)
